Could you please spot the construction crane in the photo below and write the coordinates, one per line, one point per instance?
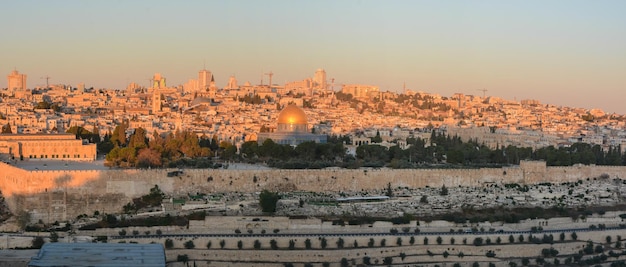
(270, 74)
(484, 91)
(47, 81)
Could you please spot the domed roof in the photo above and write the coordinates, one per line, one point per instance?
(292, 115)
(200, 100)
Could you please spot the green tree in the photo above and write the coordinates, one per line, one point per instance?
(37, 242)
(443, 191)
(189, 244)
(340, 243)
(268, 201)
(169, 243)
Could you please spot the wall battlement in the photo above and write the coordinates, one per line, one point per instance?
(83, 192)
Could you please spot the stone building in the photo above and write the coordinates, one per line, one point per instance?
(46, 146)
(292, 129)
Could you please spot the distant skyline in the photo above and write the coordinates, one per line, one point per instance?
(562, 52)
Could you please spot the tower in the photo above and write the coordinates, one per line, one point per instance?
(204, 80)
(158, 81)
(232, 83)
(156, 101)
(17, 81)
(319, 80)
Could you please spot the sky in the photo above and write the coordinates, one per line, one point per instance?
(561, 52)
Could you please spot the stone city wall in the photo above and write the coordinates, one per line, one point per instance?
(61, 195)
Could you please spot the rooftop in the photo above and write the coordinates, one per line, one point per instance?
(99, 254)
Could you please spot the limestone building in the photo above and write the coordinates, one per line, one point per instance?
(46, 146)
(292, 129)
(16, 81)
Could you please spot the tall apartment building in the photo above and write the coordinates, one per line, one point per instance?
(17, 81)
(319, 79)
(204, 80)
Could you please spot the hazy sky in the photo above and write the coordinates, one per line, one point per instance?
(563, 52)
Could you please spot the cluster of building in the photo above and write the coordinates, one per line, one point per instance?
(238, 113)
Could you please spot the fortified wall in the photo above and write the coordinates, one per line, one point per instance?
(61, 195)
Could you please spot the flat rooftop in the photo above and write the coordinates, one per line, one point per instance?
(99, 255)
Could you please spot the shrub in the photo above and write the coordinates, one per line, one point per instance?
(189, 244)
(340, 243)
(37, 242)
(182, 258)
(169, 243)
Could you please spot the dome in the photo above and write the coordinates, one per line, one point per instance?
(292, 119)
(292, 115)
(200, 100)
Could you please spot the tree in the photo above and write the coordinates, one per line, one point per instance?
(257, 244)
(307, 243)
(37, 242)
(169, 243)
(6, 129)
(182, 258)
(574, 236)
(444, 190)
(222, 243)
(340, 243)
(389, 190)
(273, 244)
(54, 237)
(148, 157)
(439, 240)
(189, 244)
(268, 201)
(240, 244)
(323, 243)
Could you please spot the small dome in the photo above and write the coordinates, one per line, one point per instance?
(200, 100)
(292, 115)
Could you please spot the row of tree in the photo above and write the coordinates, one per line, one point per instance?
(177, 148)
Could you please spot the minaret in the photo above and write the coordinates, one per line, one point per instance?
(156, 101)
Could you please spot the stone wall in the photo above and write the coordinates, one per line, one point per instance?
(61, 195)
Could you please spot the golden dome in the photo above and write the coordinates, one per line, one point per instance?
(292, 115)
